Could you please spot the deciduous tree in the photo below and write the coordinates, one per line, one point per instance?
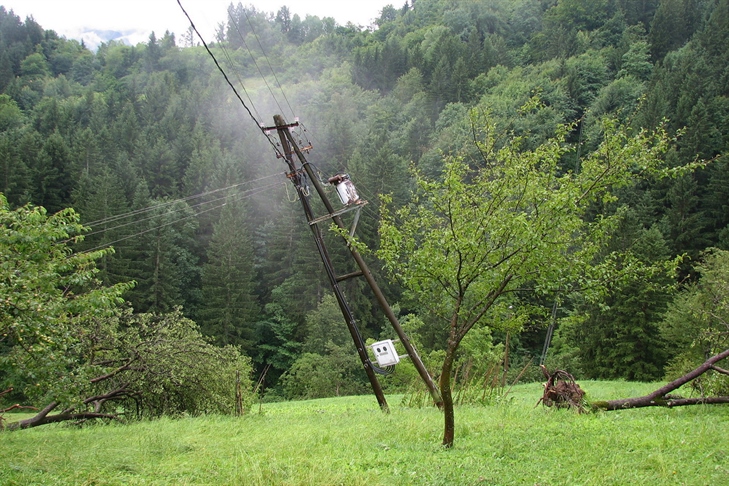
(513, 222)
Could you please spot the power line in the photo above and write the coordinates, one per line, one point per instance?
(258, 124)
(156, 207)
(273, 72)
(148, 230)
(117, 217)
(240, 81)
(250, 53)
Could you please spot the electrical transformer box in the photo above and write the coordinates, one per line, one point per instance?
(385, 353)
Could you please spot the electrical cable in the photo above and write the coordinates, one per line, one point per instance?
(250, 53)
(176, 210)
(265, 56)
(240, 81)
(117, 217)
(107, 244)
(205, 44)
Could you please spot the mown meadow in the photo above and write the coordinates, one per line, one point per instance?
(347, 440)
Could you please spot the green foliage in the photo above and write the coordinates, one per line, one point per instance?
(230, 309)
(511, 221)
(164, 264)
(619, 337)
(49, 297)
(328, 365)
(336, 373)
(166, 367)
(277, 344)
(696, 325)
(325, 325)
(127, 128)
(65, 345)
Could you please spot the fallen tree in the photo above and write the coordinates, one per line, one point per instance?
(661, 397)
(145, 365)
(69, 345)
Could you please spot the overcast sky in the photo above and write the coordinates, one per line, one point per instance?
(72, 17)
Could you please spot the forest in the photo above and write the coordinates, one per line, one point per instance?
(163, 204)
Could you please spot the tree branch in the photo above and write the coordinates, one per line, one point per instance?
(487, 303)
(60, 417)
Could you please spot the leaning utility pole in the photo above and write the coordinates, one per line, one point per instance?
(290, 148)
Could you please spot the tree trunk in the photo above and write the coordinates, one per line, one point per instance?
(447, 396)
(660, 398)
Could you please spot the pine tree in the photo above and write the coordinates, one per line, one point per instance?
(163, 257)
(53, 183)
(101, 203)
(230, 308)
(620, 337)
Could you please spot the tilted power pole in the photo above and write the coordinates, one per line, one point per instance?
(296, 175)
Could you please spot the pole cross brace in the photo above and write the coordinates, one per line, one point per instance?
(356, 206)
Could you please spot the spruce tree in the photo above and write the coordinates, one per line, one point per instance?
(230, 309)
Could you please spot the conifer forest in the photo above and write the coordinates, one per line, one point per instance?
(152, 238)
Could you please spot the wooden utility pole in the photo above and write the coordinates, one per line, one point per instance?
(296, 175)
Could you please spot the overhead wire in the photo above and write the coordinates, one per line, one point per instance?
(236, 197)
(227, 80)
(250, 53)
(245, 44)
(135, 212)
(157, 207)
(240, 81)
(273, 72)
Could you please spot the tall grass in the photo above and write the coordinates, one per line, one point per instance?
(349, 441)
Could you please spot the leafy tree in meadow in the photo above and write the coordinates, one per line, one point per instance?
(313, 375)
(49, 294)
(513, 222)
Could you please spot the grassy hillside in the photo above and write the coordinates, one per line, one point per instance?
(348, 441)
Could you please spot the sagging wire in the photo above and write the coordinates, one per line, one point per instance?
(240, 81)
(129, 214)
(273, 72)
(235, 197)
(151, 208)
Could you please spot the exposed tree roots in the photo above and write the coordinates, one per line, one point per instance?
(562, 391)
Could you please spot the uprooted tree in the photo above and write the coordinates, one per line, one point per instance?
(69, 347)
(696, 327)
(515, 220)
(562, 391)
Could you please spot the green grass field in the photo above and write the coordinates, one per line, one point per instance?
(349, 441)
